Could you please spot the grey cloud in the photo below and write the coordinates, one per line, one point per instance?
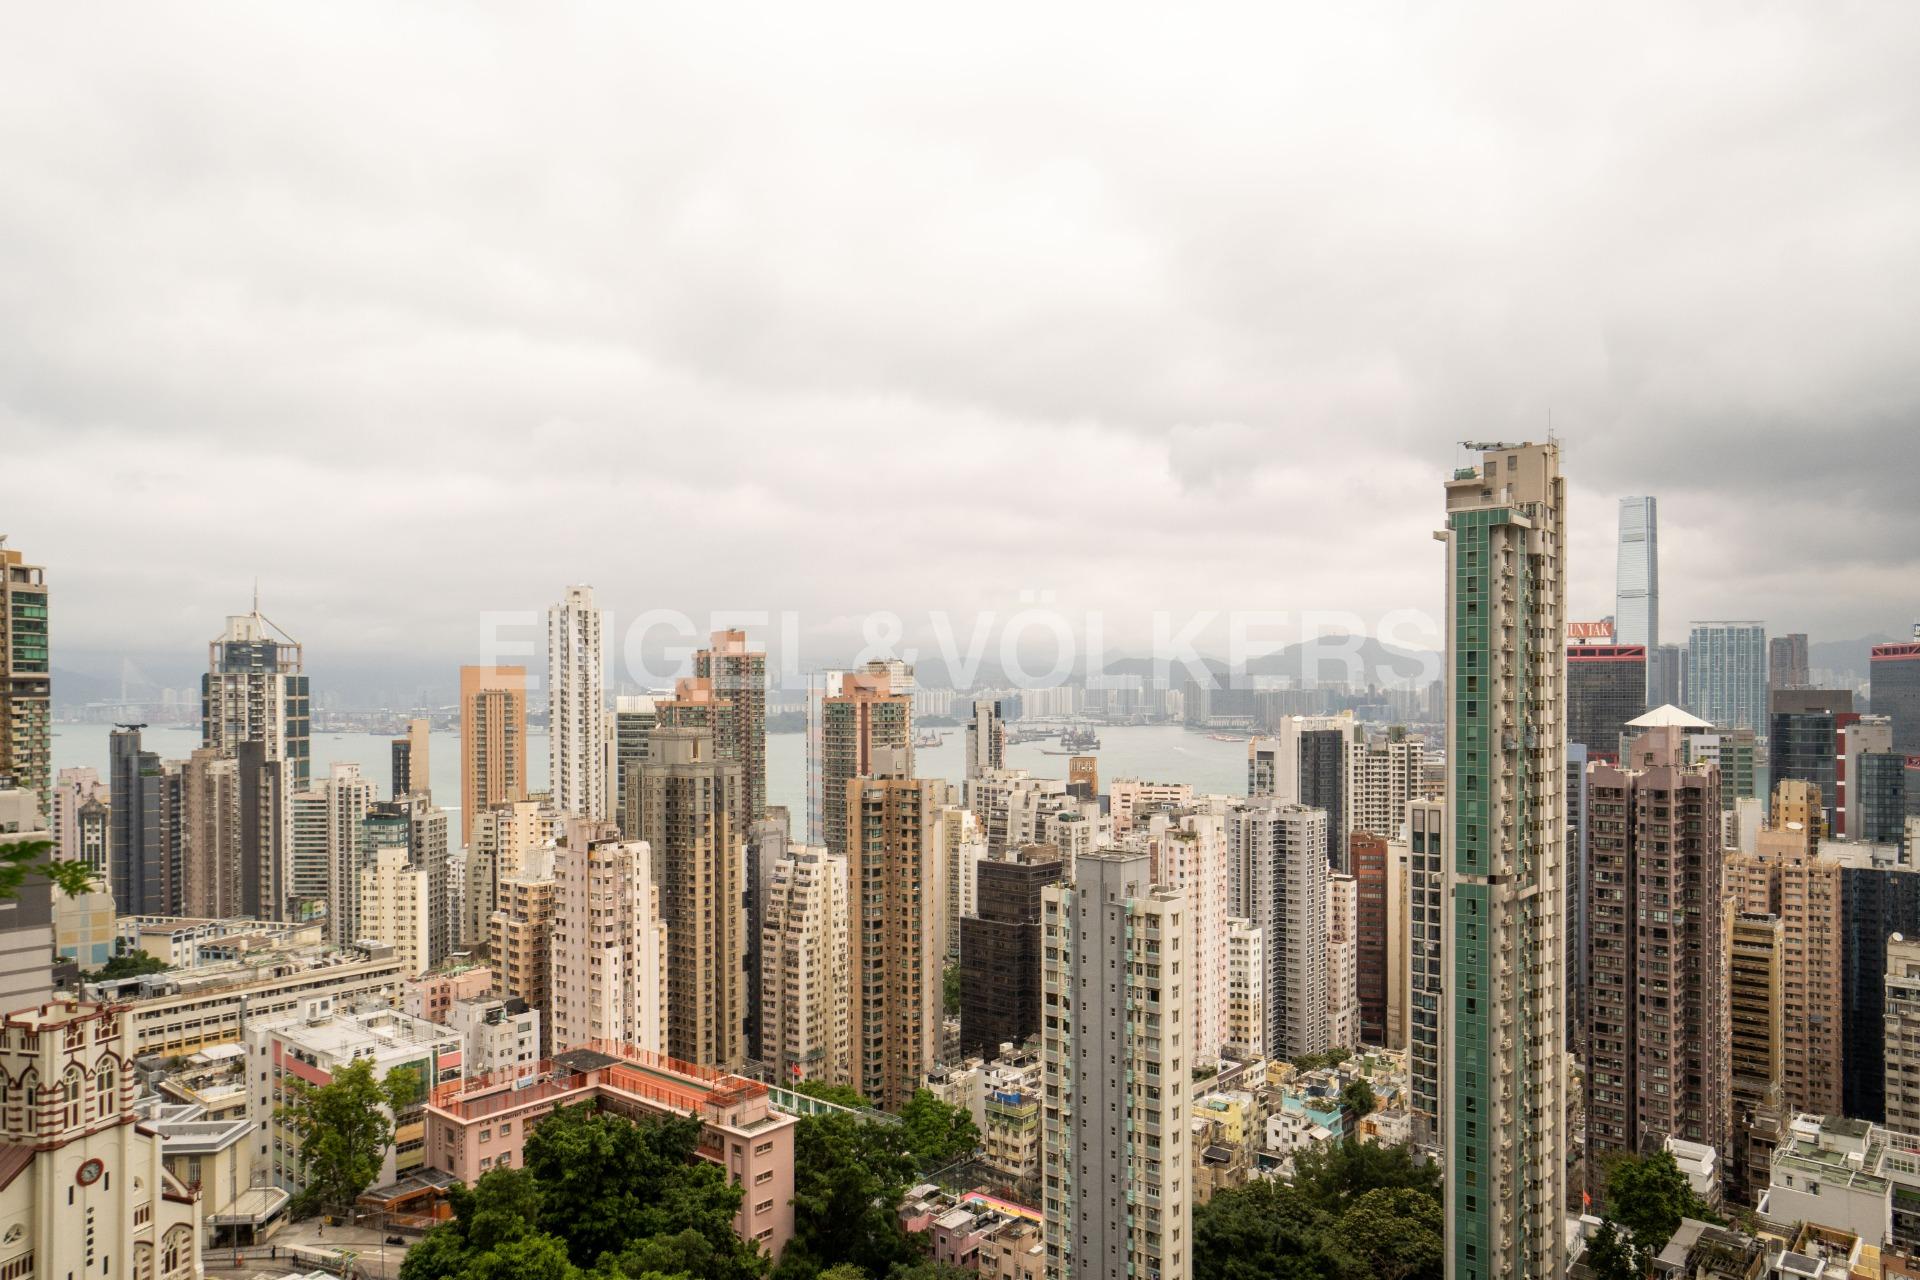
(851, 309)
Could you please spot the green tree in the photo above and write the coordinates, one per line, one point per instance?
(1332, 1176)
(534, 1257)
(128, 964)
(1352, 1212)
(937, 1134)
(1391, 1235)
(845, 1095)
(1314, 1061)
(515, 1222)
(1610, 1255)
(928, 1269)
(950, 981)
(849, 1176)
(22, 858)
(494, 1235)
(344, 1128)
(687, 1253)
(1358, 1099)
(1263, 1229)
(1647, 1196)
(606, 1183)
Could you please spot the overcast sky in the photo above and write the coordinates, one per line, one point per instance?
(419, 311)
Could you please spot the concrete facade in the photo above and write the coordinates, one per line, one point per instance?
(1115, 1153)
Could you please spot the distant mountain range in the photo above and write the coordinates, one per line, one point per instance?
(407, 681)
(1326, 655)
(1845, 657)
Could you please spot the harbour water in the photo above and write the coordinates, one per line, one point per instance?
(1163, 753)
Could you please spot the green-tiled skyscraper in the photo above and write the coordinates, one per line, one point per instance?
(1504, 1082)
(26, 678)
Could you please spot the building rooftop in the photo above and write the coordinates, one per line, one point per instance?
(1834, 1168)
(345, 1032)
(1668, 716)
(581, 1061)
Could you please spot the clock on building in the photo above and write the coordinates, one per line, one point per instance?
(89, 1173)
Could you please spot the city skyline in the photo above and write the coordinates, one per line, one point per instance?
(1054, 643)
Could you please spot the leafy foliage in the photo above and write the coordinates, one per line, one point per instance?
(1610, 1255)
(1259, 1230)
(606, 1182)
(929, 1270)
(1315, 1061)
(843, 1094)
(950, 990)
(937, 1134)
(599, 1199)
(1392, 1234)
(128, 964)
(22, 858)
(849, 1177)
(1335, 1175)
(344, 1128)
(1358, 1099)
(1352, 1212)
(1647, 1196)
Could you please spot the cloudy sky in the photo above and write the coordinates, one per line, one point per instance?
(420, 311)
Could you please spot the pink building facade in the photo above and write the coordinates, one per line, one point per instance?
(479, 1124)
(433, 995)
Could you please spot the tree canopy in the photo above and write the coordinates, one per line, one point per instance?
(128, 964)
(1610, 1255)
(344, 1128)
(843, 1094)
(1335, 1174)
(1647, 1196)
(1352, 1212)
(599, 1198)
(1314, 1061)
(937, 1134)
(849, 1177)
(22, 858)
(1392, 1234)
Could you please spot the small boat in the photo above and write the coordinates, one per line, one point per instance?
(928, 739)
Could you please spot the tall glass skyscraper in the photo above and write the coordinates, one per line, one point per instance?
(1636, 578)
(1727, 674)
(1896, 690)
